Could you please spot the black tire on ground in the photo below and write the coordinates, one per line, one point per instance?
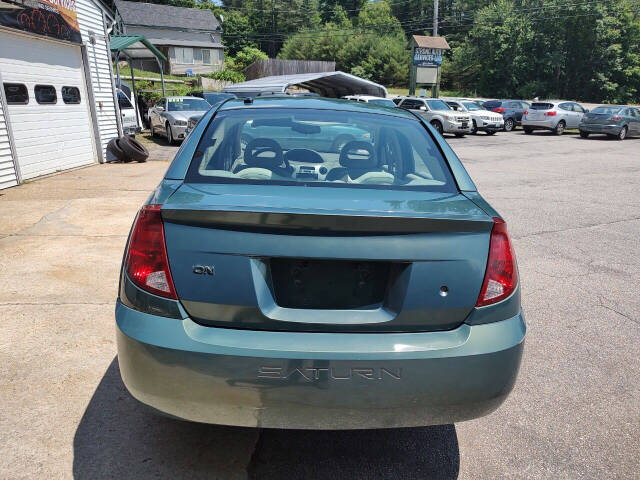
(459, 135)
(437, 125)
(623, 133)
(114, 147)
(528, 130)
(584, 134)
(491, 132)
(509, 124)
(474, 128)
(169, 133)
(559, 130)
(134, 149)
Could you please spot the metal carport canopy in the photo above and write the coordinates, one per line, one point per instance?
(327, 84)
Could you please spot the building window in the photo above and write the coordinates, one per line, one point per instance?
(16, 93)
(70, 94)
(184, 55)
(206, 56)
(46, 94)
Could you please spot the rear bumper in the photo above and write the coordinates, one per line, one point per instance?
(600, 128)
(540, 124)
(317, 380)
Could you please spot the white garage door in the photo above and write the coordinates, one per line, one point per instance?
(47, 110)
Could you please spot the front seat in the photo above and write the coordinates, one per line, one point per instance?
(359, 164)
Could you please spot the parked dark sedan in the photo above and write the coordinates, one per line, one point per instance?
(511, 111)
(616, 121)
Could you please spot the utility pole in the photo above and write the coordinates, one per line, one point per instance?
(435, 18)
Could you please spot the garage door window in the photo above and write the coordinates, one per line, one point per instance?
(70, 94)
(45, 94)
(16, 93)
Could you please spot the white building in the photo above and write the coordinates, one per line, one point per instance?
(57, 95)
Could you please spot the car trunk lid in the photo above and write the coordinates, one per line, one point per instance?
(325, 259)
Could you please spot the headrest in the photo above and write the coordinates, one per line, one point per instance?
(358, 154)
(263, 153)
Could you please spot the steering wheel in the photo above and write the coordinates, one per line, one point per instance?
(254, 156)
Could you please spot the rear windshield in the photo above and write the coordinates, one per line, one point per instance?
(607, 110)
(437, 105)
(319, 148)
(382, 101)
(492, 104)
(541, 106)
(187, 104)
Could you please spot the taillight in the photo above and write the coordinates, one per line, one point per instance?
(501, 276)
(552, 113)
(526, 112)
(499, 109)
(147, 264)
(617, 118)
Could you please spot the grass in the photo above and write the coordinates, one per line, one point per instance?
(405, 91)
(125, 73)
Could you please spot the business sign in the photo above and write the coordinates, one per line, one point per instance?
(51, 18)
(427, 57)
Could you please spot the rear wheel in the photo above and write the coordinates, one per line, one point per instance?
(474, 128)
(623, 133)
(491, 132)
(509, 124)
(584, 134)
(438, 126)
(459, 135)
(528, 130)
(559, 130)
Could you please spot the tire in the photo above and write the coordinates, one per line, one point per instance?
(153, 132)
(474, 128)
(559, 130)
(438, 126)
(491, 132)
(114, 147)
(169, 134)
(528, 130)
(509, 124)
(623, 133)
(134, 149)
(340, 142)
(584, 134)
(459, 135)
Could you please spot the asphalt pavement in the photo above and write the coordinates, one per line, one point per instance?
(573, 209)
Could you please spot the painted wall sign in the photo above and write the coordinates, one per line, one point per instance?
(427, 57)
(51, 18)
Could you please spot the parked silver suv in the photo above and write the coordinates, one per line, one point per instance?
(554, 115)
(442, 117)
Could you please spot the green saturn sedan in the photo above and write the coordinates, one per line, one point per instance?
(280, 282)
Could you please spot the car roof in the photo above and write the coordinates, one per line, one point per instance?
(317, 103)
(183, 97)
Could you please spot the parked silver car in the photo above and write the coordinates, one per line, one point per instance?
(442, 117)
(481, 119)
(170, 116)
(552, 115)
